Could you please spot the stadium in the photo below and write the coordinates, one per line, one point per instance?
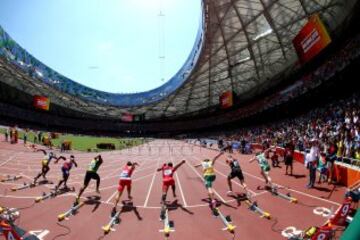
(258, 130)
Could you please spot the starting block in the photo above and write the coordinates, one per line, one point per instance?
(226, 220)
(71, 211)
(114, 220)
(168, 225)
(253, 206)
(10, 178)
(53, 194)
(274, 191)
(26, 185)
(30, 185)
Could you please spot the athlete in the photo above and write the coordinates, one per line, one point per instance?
(289, 157)
(125, 181)
(168, 181)
(65, 169)
(91, 173)
(45, 164)
(235, 172)
(264, 166)
(209, 176)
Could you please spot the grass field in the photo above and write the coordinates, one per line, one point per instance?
(83, 143)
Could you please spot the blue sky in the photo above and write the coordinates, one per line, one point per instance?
(110, 45)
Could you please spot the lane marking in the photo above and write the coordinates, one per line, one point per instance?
(9, 159)
(151, 185)
(112, 195)
(181, 191)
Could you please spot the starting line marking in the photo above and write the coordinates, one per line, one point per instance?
(40, 234)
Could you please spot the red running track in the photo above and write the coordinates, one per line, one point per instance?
(191, 214)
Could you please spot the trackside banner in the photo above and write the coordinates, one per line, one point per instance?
(41, 102)
(311, 39)
(127, 117)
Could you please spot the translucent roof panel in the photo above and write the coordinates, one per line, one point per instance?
(242, 45)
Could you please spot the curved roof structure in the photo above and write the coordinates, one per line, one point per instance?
(241, 46)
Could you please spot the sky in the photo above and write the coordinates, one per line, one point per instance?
(119, 46)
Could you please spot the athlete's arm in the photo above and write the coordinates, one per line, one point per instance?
(61, 157)
(54, 156)
(160, 169)
(75, 163)
(41, 150)
(269, 149)
(99, 159)
(134, 165)
(253, 159)
(216, 158)
(178, 165)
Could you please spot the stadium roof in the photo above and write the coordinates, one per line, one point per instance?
(241, 46)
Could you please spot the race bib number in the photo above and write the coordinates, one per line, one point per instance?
(341, 214)
(168, 172)
(124, 174)
(206, 165)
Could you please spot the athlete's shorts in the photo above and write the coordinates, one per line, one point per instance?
(124, 183)
(288, 161)
(167, 184)
(237, 174)
(265, 168)
(44, 163)
(65, 172)
(90, 175)
(208, 180)
(45, 168)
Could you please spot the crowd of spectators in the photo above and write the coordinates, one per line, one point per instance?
(336, 128)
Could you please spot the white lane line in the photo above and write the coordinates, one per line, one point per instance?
(179, 183)
(311, 196)
(216, 193)
(112, 195)
(151, 185)
(181, 191)
(9, 159)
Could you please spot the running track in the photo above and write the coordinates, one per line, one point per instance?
(191, 214)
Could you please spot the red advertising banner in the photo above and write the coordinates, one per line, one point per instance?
(311, 39)
(41, 102)
(127, 117)
(226, 99)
